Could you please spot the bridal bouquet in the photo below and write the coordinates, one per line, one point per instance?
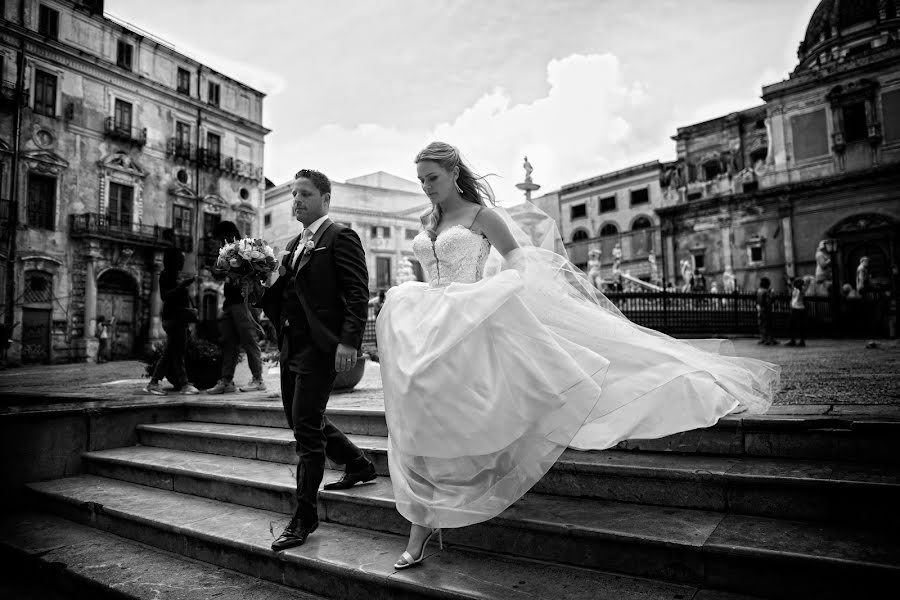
(248, 262)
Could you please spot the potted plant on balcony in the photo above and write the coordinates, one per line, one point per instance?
(203, 361)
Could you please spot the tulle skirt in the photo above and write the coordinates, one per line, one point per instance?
(487, 383)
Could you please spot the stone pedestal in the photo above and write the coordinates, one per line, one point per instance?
(86, 349)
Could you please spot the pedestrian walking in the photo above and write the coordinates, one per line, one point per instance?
(764, 302)
(798, 312)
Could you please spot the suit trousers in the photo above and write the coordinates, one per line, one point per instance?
(306, 382)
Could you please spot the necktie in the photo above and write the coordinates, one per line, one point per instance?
(304, 237)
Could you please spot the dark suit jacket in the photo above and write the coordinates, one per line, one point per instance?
(332, 284)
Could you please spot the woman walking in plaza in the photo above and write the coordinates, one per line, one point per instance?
(549, 362)
(178, 313)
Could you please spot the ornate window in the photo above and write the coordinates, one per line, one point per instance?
(120, 209)
(44, 93)
(38, 288)
(41, 210)
(580, 235)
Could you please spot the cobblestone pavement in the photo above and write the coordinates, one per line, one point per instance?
(826, 372)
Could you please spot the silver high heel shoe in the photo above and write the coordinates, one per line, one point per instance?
(407, 558)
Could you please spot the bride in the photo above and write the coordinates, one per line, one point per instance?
(507, 356)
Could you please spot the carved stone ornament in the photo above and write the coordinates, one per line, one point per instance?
(862, 223)
(44, 161)
(44, 138)
(123, 163)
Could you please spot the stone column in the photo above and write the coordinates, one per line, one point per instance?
(90, 298)
(89, 345)
(727, 255)
(668, 234)
(156, 330)
(787, 227)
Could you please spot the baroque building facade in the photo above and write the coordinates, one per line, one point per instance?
(382, 208)
(807, 183)
(113, 147)
(610, 223)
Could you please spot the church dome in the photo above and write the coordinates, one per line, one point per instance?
(840, 26)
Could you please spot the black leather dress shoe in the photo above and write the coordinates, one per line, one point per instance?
(294, 534)
(351, 478)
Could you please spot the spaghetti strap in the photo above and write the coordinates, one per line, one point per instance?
(476, 216)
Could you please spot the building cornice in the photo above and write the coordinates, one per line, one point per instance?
(788, 192)
(87, 64)
(606, 177)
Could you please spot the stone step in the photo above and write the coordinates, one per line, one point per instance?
(847, 437)
(786, 488)
(337, 561)
(55, 557)
(690, 546)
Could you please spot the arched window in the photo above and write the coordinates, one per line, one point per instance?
(641, 223)
(608, 230)
(580, 235)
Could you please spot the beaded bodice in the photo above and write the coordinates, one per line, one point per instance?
(457, 255)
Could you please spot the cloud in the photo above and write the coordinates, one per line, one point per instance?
(591, 120)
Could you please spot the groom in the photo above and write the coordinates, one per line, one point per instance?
(319, 306)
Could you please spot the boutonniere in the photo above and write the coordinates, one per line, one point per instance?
(308, 248)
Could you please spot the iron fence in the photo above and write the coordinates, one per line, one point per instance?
(708, 314)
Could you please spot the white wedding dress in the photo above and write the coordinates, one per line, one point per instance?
(488, 378)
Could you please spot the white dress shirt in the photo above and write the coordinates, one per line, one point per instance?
(312, 229)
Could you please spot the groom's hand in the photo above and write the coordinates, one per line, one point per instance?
(344, 358)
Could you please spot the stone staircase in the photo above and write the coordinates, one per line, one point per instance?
(768, 507)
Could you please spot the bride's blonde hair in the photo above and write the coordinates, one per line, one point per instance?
(474, 187)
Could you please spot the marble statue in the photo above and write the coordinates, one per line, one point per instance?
(594, 274)
(528, 170)
(728, 281)
(617, 257)
(687, 274)
(654, 268)
(863, 280)
(823, 270)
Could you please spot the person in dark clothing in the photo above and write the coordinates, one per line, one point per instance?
(236, 327)
(764, 312)
(177, 313)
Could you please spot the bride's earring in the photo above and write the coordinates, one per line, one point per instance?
(458, 189)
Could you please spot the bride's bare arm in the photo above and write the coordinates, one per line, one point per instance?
(496, 231)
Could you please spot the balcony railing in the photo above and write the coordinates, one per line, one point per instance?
(136, 136)
(9, 96)
(181, 151)
(228, 165)
(103, 227)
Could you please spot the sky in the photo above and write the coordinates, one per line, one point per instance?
(582, 87)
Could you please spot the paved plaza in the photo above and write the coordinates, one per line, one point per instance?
(827, 373)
